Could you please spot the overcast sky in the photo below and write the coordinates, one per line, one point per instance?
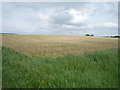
(58, 18)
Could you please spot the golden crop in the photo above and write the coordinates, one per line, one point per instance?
(56, 45)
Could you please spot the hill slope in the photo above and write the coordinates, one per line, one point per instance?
(90, 70)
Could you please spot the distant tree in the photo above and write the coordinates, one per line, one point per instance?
(87, 34)
(91, 35)
(115, 36)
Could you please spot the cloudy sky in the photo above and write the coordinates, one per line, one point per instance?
(60, 18)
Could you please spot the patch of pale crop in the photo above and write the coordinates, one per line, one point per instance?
(56, 45)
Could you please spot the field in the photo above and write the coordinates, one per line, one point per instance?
(56, 45)
(54, 61)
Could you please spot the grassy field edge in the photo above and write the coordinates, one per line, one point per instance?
(97, 69)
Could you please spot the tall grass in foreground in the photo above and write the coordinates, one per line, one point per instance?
(0, 67)
(92, 70)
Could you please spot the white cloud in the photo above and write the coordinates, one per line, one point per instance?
(69, 26)
(109, 25)
(42, 20)
(78, 17)
(60, 18)
(103, 25)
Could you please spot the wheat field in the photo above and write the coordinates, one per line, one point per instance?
(56, 45)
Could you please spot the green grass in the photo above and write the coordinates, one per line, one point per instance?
(0, 67)
(91, 70)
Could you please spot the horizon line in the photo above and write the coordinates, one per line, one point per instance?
(57, 34)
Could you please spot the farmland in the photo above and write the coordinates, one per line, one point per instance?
(58, 61)
(56, 45)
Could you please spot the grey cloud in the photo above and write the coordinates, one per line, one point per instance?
(61, 18)
(52, 18)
